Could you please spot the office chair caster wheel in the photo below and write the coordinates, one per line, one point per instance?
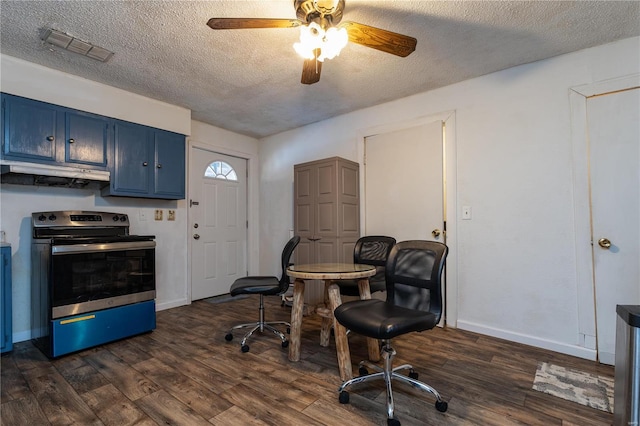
(362, 371)
(413, 375)
(393, 422)
(245, 348)
(442, 406)
(285, 344)
(344, 397)
(228, 337)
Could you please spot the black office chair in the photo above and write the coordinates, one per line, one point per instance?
(414, 303)
(264, 286)
(370, 250)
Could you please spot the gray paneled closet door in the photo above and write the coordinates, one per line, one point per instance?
(326, 214)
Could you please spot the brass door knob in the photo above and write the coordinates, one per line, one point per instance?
(436, 233)
(604, 243)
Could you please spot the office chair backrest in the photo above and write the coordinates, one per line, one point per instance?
(286, 261)
(373, 250)
(414, 275)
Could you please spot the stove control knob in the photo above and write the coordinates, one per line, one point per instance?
(52, 217)
(123, 218)
(42, 218)
(116, 218)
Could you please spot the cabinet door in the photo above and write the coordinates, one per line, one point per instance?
(29, 130)
(326, 194)
(133, 161)
(86, 139)
(6, 332)
(169, 165)
(304, 203)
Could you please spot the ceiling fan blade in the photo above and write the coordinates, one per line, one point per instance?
(311, 70)
(243, 23)
(376, 38)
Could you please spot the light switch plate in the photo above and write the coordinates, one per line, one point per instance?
(158, 214)
(466, 212)
(171, 215)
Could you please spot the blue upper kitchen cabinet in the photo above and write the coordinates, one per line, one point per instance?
(29, 130)
(130, 172)
(147, 163)
(40, 132)
(169, 171)
(86, 139)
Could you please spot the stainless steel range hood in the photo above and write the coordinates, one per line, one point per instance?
(21, 173)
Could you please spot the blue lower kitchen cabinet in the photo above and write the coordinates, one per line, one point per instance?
(6, 334)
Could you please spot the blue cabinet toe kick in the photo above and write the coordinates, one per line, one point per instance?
(71, 334)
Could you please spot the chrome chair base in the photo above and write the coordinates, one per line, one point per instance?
(388, 373)
(262, 326)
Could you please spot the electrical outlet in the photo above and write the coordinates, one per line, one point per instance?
(171, 215)
(158, 215)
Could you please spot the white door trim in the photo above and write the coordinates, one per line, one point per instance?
(253, 255)
(582, 217)
(449, 120)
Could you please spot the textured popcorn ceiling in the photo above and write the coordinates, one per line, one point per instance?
(248, 81)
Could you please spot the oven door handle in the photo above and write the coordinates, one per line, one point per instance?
(101, 247)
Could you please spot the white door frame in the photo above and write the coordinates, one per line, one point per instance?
(450, 162)
(582, 208)
(253, 258)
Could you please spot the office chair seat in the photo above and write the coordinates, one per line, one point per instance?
(265, 285)
(382, 320)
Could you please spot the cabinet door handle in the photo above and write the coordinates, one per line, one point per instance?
(50, 138)
(145, 164)
(159, 166)
(72, 140)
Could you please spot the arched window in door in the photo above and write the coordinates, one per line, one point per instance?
(220, 170)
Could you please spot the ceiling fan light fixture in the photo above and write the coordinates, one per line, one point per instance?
(330, 42)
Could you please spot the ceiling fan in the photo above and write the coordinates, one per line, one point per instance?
(321, 37)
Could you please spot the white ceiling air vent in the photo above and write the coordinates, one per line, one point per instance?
(60, 39)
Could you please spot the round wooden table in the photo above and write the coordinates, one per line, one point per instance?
(329, 272)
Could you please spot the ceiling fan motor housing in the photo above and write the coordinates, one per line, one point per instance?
(310, 10)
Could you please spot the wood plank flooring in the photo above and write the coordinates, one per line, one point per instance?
(185, 373)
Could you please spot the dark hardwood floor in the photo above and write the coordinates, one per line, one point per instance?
(185, 373)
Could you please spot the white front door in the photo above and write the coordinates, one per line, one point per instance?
(614, 158)
(217, 221)
(404, 183)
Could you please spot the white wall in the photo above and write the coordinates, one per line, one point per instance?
(516, 257)
(33, 81)
(17, 202)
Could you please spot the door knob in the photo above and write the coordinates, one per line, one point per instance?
(196, 236)
(436, 233)
(604, 243)
(195, 225)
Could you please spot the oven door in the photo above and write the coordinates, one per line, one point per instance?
(95, 276)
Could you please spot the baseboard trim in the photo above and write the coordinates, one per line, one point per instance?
(171, 304)
(525, 339)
